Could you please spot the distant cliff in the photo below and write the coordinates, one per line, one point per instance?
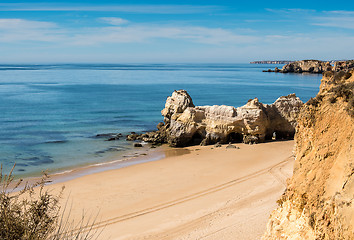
(272, 62)
(314, 66)
(318, 202)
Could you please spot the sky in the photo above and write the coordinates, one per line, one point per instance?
(206, 31)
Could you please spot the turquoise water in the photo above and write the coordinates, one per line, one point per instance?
(50, 114)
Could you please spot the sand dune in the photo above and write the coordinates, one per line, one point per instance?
(209, 193)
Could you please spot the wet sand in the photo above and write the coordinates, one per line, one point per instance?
(192, 193)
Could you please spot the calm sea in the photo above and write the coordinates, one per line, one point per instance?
(50, 114)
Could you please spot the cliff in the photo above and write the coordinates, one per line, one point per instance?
(318, 202)
(314, 66)
(186, 124)
(272, 62)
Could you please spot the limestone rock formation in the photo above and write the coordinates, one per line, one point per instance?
(314, 66)
(343, 65)
(177, 103)
(311, 66)
(186, 124)
(318, 202)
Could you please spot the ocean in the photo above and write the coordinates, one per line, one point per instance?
(51, 114)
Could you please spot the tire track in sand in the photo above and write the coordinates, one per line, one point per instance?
(168, 204)
(193, 224)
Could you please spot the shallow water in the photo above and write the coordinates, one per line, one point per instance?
(50, 114)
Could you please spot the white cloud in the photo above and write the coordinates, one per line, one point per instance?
(336, 22)
(213, 43)
(143, 33)
(336, 19)
(290, 10)
(114, 20)
(340, 12)
(14, 30)
(13, 23)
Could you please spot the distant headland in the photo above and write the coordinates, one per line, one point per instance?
(314, 66)
(272, 62)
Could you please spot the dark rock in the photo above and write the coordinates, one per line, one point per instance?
(138, 145)
(132, 137)
(112, 139)
(231, 146)
(250, 139)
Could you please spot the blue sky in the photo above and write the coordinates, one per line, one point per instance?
(174, 31)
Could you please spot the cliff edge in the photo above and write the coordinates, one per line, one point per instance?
(318, 202)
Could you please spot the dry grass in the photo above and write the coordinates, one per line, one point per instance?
(33, 213)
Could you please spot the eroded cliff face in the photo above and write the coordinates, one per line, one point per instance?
(314, 66)
(318, 202)
(186, 124)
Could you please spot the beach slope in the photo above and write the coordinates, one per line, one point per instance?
(206, 193)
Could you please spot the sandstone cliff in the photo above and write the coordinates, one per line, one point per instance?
(311, 66)
(186, 124)
(318, 202)
(314, 66)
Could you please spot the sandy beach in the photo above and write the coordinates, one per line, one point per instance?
(205, 193)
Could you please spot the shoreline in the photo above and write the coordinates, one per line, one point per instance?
(174, 197)
(133, 157)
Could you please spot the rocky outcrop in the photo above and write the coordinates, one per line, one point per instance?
(343, 65)
(318, 202)
(314, 66)
(310, 66)
(186, 124)
(272, 62)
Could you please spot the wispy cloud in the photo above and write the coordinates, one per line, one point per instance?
(113, 20)
(15, 30)
(150, 9)
(340, 12)
(289, 10)
(143, 33)
(335, 19)
(336, 22)
(16, 23)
